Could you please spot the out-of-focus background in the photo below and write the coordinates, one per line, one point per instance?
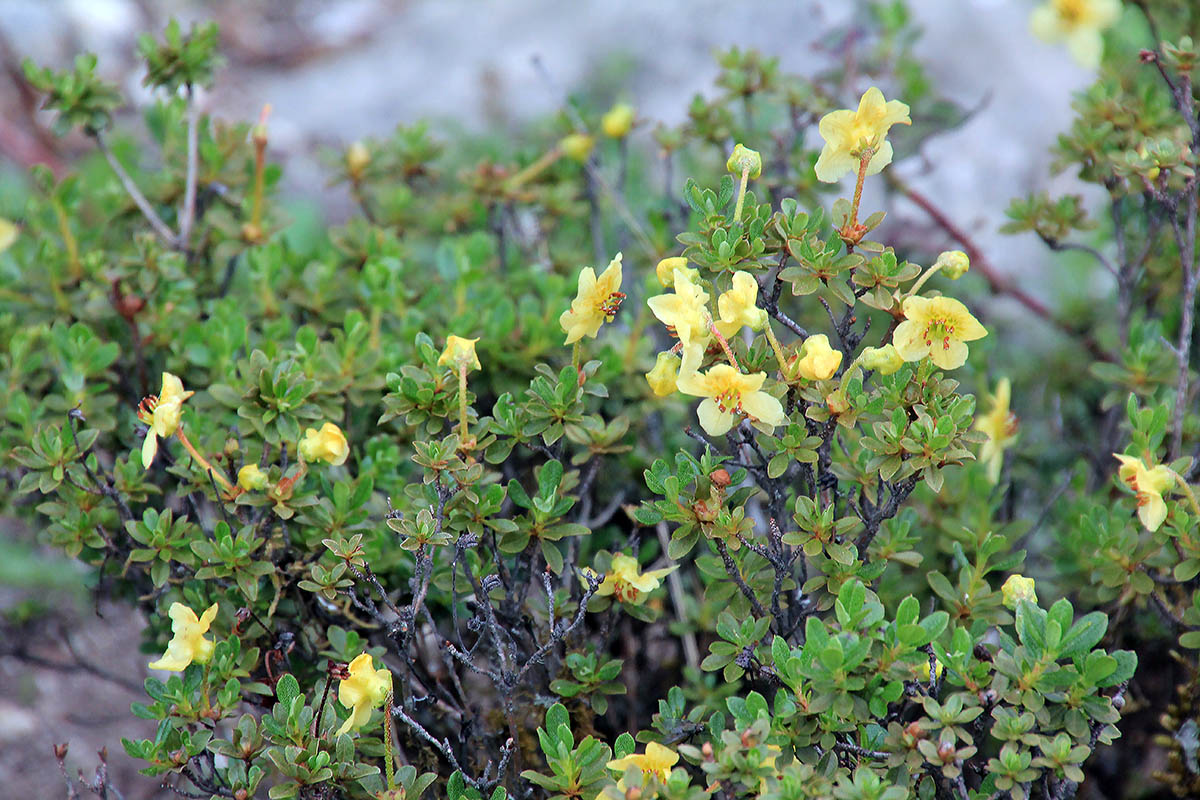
(337, 70)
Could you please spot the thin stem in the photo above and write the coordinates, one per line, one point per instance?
(1187, 490)
(189, 190)
(533, 170)
(929, 273)
(775, 346)
(724, 345)
(863, 162)
(741, 195)
(133, 191)
(202, 461)
(388, 764)
(64, 229)
(462, 402)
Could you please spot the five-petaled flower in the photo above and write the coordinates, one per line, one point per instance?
(595, 303)
(627, 583)
(162, 414)
(818, 361)
(1149, 483)
(685, 313)
(188, 644)
(656, 762)
(1078, 22)
(938, 327)
(738, 306)
(366, 688)
(1018, 588)
(1000, 425)
(328, 445)
(727, 394)
(849, 134)
(459, 352)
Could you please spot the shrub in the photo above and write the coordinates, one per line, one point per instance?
(391, 533)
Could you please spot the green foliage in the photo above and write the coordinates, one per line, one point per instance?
(815, 603)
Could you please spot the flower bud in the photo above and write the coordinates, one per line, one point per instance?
(250, 478)
(662, 377)
(954, 264)
(837, 403)
(1018, 588)
(357, 159)
(665, 270)
(884, 360)
(328, 445)
(744, 158)
(618, 121)
(577, 146)
(818, 361)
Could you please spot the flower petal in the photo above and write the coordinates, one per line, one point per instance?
(764, 408)
(714, 421)
(908, 341)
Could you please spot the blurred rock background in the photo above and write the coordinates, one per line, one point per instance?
(337, 70)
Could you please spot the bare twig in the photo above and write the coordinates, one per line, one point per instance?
(134, 192)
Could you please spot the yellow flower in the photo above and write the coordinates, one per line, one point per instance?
(665, 271)
(728, 393)
(188, 644)
(1000, 425)
(328, 444)
(366, 688)
(250, 478)
(923, 669)
(743, 158)
(818, 361)
(1149, 483)
(937, 327)
(1016, 588)
(656, 762)
(627, 583)
(849, 133)
(595, 303)
(1078, 22)
(358, 157)
(162, 414)
(737, 306)
(953, 263)
(617, 121)
(685, 313)
(884, 360)
(577, 146)
(662, 378)
(8, 234)
(459, 351)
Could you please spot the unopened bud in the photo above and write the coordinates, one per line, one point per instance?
(618, 121)
(259, 132)
(954, 264)
(577, 146)
(720, 478)
(836, 402)
(884, 360)
(743, 159)
(357, 159)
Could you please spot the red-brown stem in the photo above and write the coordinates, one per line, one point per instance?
(981, 264)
